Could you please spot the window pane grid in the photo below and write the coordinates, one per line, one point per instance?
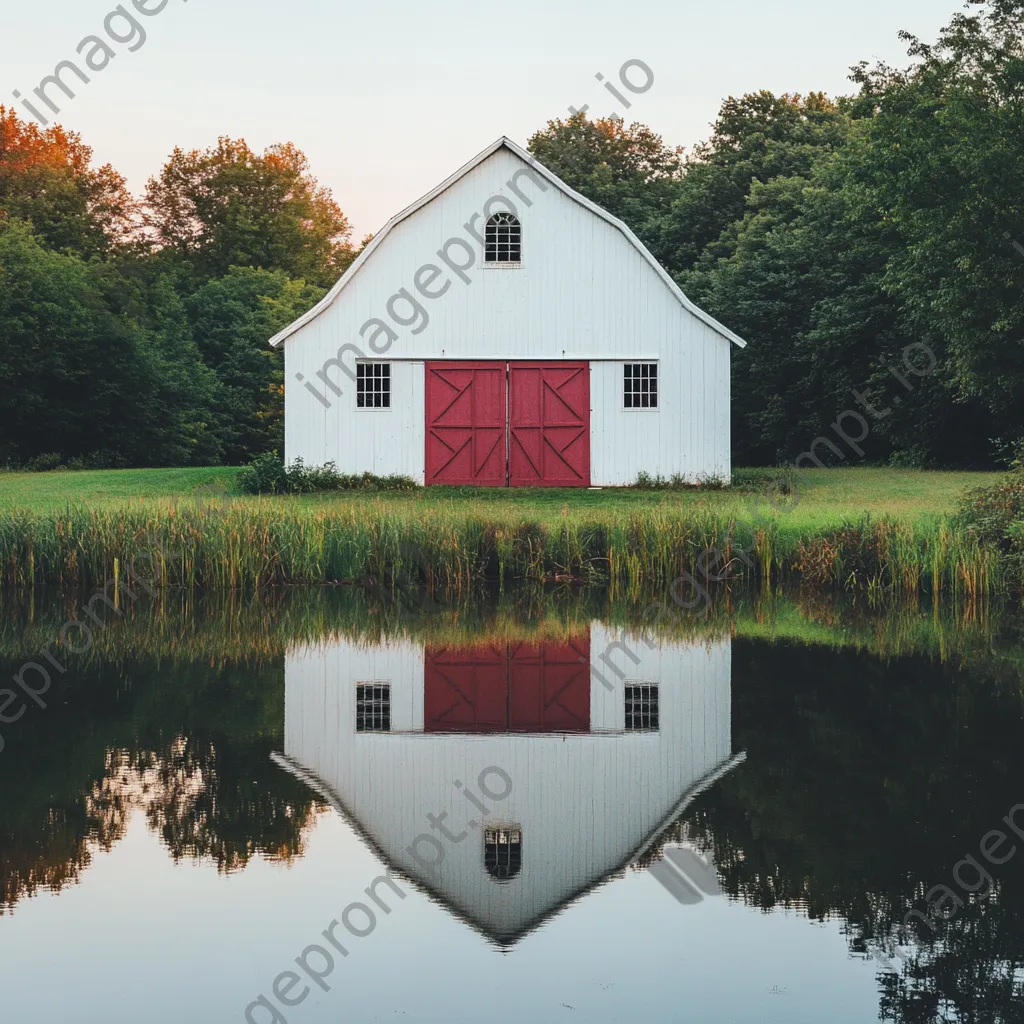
(373, 385)
(640, 386)
(642, 707)
(504, 239)
(503, 852)
(373, 707)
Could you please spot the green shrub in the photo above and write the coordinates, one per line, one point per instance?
(995, 517)
(991, 513)
(267, 474)
(914, 456)
(48, 462)
(44, 463)
(303, 479)
(264, 475)
(707, 483)
(677, 482)
(1011, 453)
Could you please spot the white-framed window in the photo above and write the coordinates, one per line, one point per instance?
(373, 707)
(373, 385)
(640, 386)
(503, 851)
(642, 707)
(503, 240)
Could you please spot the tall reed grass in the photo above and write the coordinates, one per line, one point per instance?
(254, 546)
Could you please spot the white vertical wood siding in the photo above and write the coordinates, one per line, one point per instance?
(583, 292)
(687, 434)
(585, 802)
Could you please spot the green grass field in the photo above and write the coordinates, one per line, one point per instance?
(833, 496)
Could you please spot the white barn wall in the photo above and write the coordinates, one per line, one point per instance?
(380, 441)
(692, 438)
(583, 292)
(585, 802)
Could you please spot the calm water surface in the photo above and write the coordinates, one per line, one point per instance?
(325, 806)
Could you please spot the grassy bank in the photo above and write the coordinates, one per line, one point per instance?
(832, 495)
(880, 530)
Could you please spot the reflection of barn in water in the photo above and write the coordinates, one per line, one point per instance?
(393, 733)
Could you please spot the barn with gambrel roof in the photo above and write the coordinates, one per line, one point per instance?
(506, 331)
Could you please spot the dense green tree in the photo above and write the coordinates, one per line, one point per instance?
(766, 290)
(227, 206)
(81, 377)
(944, 168)
(232, 318)
(626, 169)
(756, 138)
(892, 239)
(123, 349)
(804, 282)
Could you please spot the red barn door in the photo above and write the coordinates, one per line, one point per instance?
(493, 424)
(549, 686)
(466, 424)
(549, 424)
(465, 689)
(487, 688)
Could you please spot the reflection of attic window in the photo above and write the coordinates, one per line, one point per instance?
(503, 852)
(641, 707)
(373, 707)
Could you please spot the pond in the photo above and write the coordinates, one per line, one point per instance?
(541, 805)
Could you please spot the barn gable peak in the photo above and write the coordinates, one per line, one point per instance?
(504, 143)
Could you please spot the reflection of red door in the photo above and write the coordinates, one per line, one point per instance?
(549, 424)
(549, 687)
(536, 688)
(495, 423)
(465, 689)
(466, 424)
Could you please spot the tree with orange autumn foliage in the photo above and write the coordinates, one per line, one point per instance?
(47, 179)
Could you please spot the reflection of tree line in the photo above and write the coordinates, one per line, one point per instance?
(866, 782)
(227, 628)
(186, 744)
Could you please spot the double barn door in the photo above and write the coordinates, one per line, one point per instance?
(539, 688)
(515, 424)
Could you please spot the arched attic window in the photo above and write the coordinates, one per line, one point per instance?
(504, 239)
(503, 852)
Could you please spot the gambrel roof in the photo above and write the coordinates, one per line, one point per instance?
(523, 155)
(476, 918)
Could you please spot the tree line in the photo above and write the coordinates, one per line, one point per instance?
(134, 332)
(832, 233)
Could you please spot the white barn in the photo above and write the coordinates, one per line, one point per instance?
(577, 780)
(506, 331)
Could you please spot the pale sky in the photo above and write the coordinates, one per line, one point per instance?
(389, 98)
